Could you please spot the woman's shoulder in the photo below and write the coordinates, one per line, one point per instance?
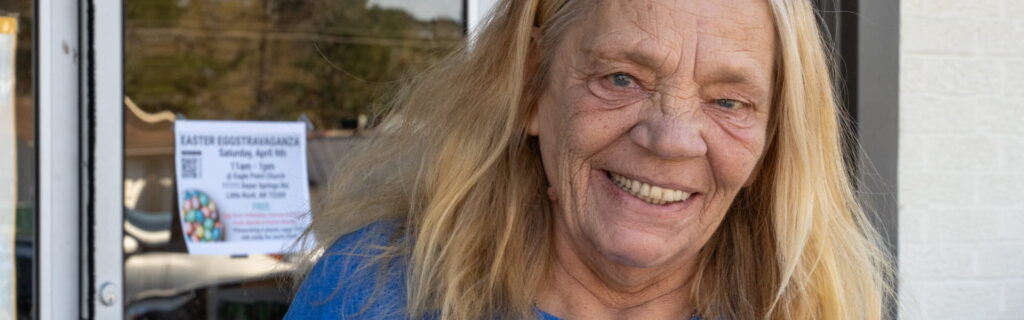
(349, 282)
(346, 283)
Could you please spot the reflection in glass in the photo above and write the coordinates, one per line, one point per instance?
(17, 287)
(253, 60)
(328, 62)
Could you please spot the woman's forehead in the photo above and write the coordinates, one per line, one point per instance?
(666, 35)
(741, 13)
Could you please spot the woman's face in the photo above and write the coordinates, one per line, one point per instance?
(653, 117)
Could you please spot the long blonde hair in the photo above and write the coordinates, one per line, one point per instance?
(453, 167)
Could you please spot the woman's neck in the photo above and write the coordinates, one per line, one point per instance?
(586, 286)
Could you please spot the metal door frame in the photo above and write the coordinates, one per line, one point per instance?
(79, 89)
(57, 132)
(102, 106)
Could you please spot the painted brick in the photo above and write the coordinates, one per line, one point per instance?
(961, 171)
(912, 296)
(936, 114)
(940, 35)
(912, 75)
(912, 156)
(913, 226)
(1015, 77)
(1014, 8)
(936, 262)
(937, 189)
(1001, 38)
(964, 76)
(1001, 189)
(964, 226)
(1014, 305)
(1000, 115)
(1014, 153)
(912, 6)
(1013, 224)
(965, 8)
(1001, 261)
(962, 300)
(962, 153)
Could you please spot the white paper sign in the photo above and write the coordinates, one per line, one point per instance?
(242, 186)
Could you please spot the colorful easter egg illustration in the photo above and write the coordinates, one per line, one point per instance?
(200, 217)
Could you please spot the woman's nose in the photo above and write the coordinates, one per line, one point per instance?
(674, 131)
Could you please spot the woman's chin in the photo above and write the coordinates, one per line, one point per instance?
(638, 249)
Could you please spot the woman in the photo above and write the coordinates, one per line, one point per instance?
(656, 159)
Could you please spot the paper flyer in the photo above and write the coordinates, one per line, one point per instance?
(242, 186)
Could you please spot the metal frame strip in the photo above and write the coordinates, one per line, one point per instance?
(58, 146)
(103, 105)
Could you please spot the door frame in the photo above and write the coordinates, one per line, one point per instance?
(57, 131)
(102, 105)
(79, 92)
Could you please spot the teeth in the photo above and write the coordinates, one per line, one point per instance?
(650, 194)
(656, 193)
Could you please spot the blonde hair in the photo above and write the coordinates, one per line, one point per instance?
(453, 167)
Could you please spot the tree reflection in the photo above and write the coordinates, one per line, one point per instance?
(275, 59)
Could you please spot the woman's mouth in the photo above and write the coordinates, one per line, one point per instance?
(648, 193)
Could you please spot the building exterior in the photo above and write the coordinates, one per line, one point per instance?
(961, 159)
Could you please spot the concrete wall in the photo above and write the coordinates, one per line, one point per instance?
(961, 170)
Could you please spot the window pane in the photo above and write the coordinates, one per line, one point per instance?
(328, 61)
(257, 60)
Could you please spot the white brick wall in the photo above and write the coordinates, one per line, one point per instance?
(961, 159)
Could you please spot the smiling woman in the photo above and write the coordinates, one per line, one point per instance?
(606, 160)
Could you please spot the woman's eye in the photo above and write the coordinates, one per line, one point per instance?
(623, 80)
(728, 103)
(617, 88)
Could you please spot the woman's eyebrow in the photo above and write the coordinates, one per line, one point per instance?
(645, 57)
(639, 55)
(728, 76)
(739, 76)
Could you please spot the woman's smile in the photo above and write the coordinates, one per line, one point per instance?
(645, 215)
(648, 192)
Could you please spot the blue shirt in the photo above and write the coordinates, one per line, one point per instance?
(342, 284)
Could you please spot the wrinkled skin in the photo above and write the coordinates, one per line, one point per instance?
(674, 93)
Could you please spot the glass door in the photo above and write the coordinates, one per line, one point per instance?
(323, 62)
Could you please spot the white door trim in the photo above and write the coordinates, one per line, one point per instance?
(102, 71)
(58, 146)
